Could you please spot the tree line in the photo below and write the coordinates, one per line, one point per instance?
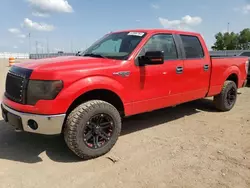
(232, 41)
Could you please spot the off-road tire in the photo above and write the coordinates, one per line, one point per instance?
(76, 122)
(220, 100)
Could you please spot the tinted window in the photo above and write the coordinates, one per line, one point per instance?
(192, 46)
(245, 54)
(161, 42)
(115, 45)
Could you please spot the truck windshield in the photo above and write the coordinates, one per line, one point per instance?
(115, 45)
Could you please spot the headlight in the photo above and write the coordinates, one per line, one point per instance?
(43, 90)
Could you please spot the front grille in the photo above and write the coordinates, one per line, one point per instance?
(16, 84)
(15, 87)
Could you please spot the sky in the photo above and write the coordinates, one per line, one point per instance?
(72, 25)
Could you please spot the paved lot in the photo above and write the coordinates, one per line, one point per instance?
(190, 145)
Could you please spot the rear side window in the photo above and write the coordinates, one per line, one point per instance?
(192, 46)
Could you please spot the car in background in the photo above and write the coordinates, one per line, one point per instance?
(246, 54)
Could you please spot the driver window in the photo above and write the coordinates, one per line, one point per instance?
(161, 42)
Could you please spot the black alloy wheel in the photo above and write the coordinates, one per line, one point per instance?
(92, 129)
(98, 131)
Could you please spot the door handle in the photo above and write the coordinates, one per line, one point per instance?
(179, 70)
(206, 67)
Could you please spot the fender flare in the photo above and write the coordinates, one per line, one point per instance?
(78, 88)
(232, 70)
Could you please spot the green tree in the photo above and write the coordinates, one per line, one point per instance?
(231, 41)
(244, 39)
(226, 41)
(219, 44)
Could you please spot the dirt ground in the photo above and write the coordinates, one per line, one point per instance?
(191, 145)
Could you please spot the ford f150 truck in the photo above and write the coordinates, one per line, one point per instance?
(127, 72)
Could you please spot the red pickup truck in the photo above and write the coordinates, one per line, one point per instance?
(128, 72)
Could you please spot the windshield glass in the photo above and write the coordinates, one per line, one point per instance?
(115, 45)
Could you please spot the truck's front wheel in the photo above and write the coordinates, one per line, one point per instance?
(92, 129)
(225, 101)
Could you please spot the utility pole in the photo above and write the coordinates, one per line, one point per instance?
(42, 48)
(47, 40)
(71, 45)
(29, 43)
(228, 24)
(36, 47)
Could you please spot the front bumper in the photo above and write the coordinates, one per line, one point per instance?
(44, 124)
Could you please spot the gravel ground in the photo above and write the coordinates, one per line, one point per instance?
(191, 145)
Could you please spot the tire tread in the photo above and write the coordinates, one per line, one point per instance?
(219, 99)
(73, 121)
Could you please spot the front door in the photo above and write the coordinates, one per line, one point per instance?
(158, 86)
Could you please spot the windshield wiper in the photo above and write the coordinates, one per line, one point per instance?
(94, 55)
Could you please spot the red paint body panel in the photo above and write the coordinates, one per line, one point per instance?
(147, 88)
(222, 69)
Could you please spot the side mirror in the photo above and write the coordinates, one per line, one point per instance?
(152, 58)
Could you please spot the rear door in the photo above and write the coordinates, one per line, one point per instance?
(197, 68)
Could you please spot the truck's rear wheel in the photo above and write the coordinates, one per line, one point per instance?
(225, 101)
(92, 129)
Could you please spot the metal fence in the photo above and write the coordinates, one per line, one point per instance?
(41, 56)
(227, 52)
(5, 55)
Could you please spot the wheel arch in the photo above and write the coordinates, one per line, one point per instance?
(106, 95)
(233, 77)
(232, 74)
(94, 88)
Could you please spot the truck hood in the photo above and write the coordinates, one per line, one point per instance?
(67, 63)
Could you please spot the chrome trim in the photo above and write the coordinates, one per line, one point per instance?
(47, 124)
(122, 73)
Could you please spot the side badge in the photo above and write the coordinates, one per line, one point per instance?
(122, 73)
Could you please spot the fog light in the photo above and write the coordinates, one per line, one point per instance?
(33, 124)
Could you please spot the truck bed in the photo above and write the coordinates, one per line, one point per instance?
(229, 56)
(221, 66)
